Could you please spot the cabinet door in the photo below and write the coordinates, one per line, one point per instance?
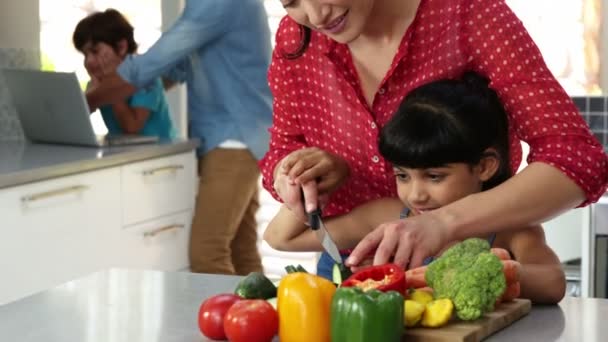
(158, 187)
(57, 230)
(159, 244)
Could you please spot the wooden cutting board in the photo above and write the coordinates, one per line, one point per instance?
(502, 316)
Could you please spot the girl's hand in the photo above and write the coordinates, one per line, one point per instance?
(322, 171)
(290, 193)
(407, 242)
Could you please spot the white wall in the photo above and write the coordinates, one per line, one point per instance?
(19, 24)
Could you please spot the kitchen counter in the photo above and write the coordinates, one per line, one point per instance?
(128, 305)
(22, 162)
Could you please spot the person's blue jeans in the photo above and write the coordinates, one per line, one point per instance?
(325, 265)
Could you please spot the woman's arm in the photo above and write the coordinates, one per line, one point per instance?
(286, 232)
(540, 112)
(567, 167)
(534, 195)
(541, 275)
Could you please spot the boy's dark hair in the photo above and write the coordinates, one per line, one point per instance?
(448, 121)
(109, 27)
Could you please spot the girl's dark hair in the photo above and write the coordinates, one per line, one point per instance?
(109, 27)
(304, 41)
(448, 121)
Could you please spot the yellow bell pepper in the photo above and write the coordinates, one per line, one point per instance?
(412, 312)
(304, 302)
(437, 313)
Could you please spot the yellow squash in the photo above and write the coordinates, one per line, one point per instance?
(304, 302)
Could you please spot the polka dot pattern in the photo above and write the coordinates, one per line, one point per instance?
(318, 100)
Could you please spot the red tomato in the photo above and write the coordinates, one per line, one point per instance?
(211, 315)
(251, 320)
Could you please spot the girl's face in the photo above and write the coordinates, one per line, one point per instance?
(341, 20)
(427, 189)
(100, 59)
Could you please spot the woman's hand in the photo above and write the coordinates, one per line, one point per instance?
(407, 242)
(316, 171)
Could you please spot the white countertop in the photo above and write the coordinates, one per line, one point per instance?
(22, 162)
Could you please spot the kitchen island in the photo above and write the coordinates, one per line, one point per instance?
(68, 211)
(129, 305)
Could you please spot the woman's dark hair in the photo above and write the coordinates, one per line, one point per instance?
(109, 27)
(304, 41)
(448, 121)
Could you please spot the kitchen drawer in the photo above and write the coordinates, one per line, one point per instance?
(50, 230)
(158, 187)
(160, 244)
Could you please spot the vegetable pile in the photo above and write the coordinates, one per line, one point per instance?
(373, 304)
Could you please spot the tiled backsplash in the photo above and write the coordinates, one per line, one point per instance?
(10, 128)
(595, 111)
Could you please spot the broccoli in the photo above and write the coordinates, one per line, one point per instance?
(470, 275)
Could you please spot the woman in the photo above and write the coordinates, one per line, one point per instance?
(341, 67)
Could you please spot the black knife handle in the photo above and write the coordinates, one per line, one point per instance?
(314, 217)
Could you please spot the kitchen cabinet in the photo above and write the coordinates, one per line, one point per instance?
(148, 184)
(51, 229)
(135, 215)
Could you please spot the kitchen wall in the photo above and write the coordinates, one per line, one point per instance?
(595, 111)
(19, 48)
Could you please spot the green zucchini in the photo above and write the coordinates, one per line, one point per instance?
(340, 273)
(256, 286)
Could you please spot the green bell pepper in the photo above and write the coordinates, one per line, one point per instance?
(358, 316)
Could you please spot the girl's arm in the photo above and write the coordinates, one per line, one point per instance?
(130, 119)
(541, 275)
(286, 232)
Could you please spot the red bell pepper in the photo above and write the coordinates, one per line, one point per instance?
(384, 278)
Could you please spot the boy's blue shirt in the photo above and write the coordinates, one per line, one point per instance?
(152, 98)
(221, 49)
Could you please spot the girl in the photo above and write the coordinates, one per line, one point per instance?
(105, 39)
(447, 140)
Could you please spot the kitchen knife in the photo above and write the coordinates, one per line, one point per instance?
(316, 224)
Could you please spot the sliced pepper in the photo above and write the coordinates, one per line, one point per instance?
(413, 311)
(420, 296)
(437, 313)
(358, 316)
(303, 303)
(387, 277)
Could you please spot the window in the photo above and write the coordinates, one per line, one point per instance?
(575, 64)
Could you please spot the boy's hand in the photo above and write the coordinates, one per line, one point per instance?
(108, 64)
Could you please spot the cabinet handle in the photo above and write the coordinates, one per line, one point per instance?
(168, 168)
(163, 229)
(53, 193)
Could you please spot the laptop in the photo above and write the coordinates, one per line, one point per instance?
(53, 109)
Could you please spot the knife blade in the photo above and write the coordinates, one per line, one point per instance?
(316, 224)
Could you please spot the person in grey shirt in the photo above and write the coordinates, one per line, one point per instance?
(221, 49)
